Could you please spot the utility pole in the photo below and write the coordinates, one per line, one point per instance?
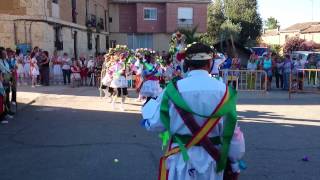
(312, 3)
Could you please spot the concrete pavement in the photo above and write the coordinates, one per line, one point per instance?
(69, 134)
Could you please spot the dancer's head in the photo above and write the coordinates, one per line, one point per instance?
(199, 56)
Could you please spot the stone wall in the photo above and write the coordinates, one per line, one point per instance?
(38, 30)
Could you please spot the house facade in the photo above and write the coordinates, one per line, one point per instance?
(72, 26)
(150, 23)
(310, 31)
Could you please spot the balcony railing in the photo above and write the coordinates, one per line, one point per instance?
(185, 23)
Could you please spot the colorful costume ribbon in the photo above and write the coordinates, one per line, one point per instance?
(226, 108)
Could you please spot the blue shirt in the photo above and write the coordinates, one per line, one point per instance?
(227, 63)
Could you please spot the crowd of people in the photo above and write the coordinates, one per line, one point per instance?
(151, 71)
(8, 85)
(283, 68)
(275, 68)
(39, 68)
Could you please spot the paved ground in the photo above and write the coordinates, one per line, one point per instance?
(75, 136)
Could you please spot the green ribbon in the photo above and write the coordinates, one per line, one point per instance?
(228, 110)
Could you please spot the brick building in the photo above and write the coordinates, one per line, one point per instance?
(89, 26)
(150, 23)
(73, 26)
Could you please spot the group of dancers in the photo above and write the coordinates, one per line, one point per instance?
(150, 69)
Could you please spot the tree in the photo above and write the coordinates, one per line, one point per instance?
(215, 19)
(272, 23)
(245, 13)
(230, 32)
(296, 44)
(190, 35)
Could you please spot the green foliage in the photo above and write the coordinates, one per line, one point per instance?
(190, 35)
(245, 13)
(227, 17)
(271, 23)
(216, 18)
(230, 31)
(276, 49)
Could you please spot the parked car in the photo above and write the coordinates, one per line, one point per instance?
(304, 55)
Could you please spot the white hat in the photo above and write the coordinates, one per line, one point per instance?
(199, 57)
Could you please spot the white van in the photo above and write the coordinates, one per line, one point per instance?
(304, 55)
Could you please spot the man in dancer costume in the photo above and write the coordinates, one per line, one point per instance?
(151, 86)
(119, 82)
(197, 116)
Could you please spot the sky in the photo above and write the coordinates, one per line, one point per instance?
(289, 12)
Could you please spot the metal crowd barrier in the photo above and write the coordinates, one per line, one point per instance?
(304, 81)
(246, 80)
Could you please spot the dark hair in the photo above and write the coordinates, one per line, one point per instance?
(18, 51)
(32, 55)
(148, 57)
(198, 48)
(46, 53)
(2, 51)
(196, 64)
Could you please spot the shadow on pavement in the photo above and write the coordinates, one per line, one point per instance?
(63, 143)
(71, 144)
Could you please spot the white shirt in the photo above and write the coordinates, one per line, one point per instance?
(66, 63)
(216, 65)
(202, 94)
(252, 66)
(90, 64)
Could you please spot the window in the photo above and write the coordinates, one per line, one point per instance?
(185, 16)
(150, 13)
(101, 24)
(89, 36)
(74, 11)
(55, 1)
(58, 43)
(136, 41)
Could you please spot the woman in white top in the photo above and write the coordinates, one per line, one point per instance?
(20, 70)
(251, 76)
(34, 69)
(26, 68)
(57, 71)
(66, 66)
